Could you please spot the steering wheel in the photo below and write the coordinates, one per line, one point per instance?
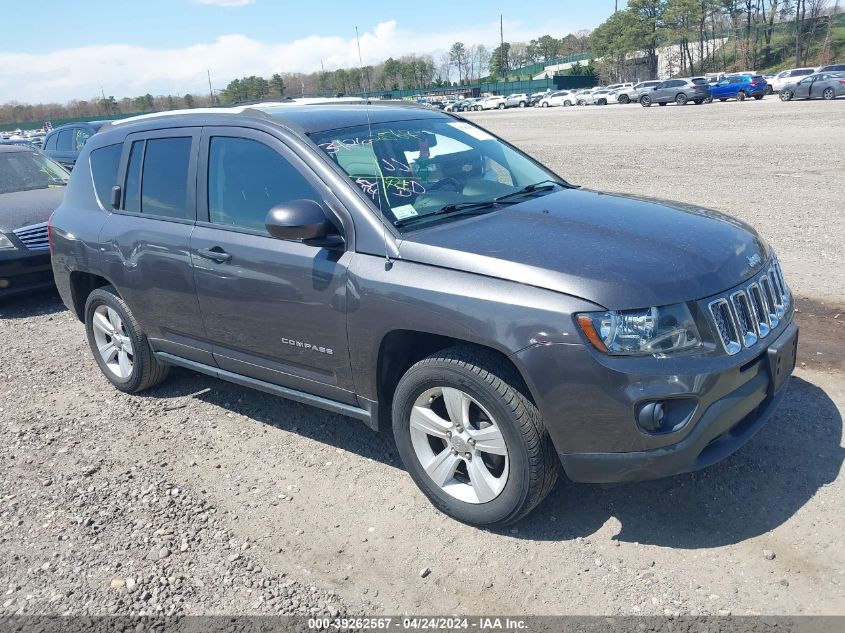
(452, 183)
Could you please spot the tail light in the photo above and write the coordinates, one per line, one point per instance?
(842, 82)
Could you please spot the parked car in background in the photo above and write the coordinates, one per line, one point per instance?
(517, 100)
(819, 86)
(633, 94)
(559, 98)
(64, 143)
(740, 87)
(31, 187)
(679, 91)
(832, 68)
(22, 142)
(535, 98)
(493, 102)
(790, 76)
(582, 96)
(600, 97)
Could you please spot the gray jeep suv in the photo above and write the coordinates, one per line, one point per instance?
(409, 269)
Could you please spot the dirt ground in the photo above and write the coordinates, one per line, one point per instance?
(211, 498)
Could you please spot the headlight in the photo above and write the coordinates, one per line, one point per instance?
(6, 243)
(641, 332)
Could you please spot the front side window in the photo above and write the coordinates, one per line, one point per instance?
(246, 179)
(24, 171)
(426, 171)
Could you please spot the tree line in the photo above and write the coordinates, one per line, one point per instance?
(700, 36)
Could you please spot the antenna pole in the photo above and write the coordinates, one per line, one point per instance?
(210, 90)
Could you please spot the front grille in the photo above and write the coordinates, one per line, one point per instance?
(748, 313)
(34, 237)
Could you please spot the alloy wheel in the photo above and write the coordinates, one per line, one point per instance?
(785, 95)
(113, 341)
(829, 94)
(459, 445)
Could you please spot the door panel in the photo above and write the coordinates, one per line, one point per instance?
(274, 309)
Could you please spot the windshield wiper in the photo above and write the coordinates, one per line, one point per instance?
(543, 185)
(460, 208)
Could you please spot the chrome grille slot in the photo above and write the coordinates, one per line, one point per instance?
(723, 316)
(780, 308)
(769, 297)
(744, 318)
(760, 311)
(782, 282)
(34, 237)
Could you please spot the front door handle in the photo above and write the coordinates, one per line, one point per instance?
(216, 254)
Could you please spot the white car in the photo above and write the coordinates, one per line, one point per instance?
(560, 98)
(600, 97)
(492, 102)
(790, 76)
(582, 96)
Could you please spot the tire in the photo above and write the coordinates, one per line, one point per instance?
(770, 90)
(758, 97)
(522, 104)
(581, 102)
(709, 99)
(698, 101)
(786, 95)
(486, 387)
(740, 96)
(501, 106)
(681, 99)
(567, 104)
(105, 307)
(544, 104)
(624, 99)
(602, 102)
(645, 101)
(829, 94)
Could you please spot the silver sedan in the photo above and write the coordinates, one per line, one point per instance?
(819, 86)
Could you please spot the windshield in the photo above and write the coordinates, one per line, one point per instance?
(22, 171)
(422, 172)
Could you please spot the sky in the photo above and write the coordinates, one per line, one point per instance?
(50, 52)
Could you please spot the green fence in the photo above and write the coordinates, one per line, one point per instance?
(536, 69)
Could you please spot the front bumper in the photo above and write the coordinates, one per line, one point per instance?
(22, 270)
(590, 408)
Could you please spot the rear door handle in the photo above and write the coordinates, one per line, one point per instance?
(216, 254)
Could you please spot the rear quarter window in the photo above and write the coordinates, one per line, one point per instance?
(104, 165)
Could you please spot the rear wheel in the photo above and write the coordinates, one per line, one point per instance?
(545, 104)
(740, 96)
(119, 346)
(522, 104)
(645, 101)
(786, 95)
(501, 106)
(624, 99)
(470, 439)
(681, 99)
(769, 89)
(602, 101)
(829, 94)
(567, 104)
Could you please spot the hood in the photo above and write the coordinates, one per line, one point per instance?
(619, 252)
(23, 208)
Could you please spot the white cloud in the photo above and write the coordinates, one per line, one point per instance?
(226, 3)
(124, 70)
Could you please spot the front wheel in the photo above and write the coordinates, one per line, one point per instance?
(567, 104)
(120, 348)
(470, 439)
(624, 99)
(645, 101)
(786, 95)
(522, 104)
(709, 99)
(501, 106)
(740, 96)
(829, 94)
(770, 90)
(545, 104)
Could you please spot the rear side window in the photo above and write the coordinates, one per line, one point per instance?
(247, 178)
(64, 143)
(104, 164)
(157, 177)
(80, 137)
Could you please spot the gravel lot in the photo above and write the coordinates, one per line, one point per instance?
(202, 497)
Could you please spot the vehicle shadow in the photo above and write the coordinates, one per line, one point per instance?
(752, 492)
(36, 303)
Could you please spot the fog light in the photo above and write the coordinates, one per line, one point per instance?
(651, 416)
(4, 283)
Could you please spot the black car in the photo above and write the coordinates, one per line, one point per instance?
(404, 267)
(31, 187)
(64, 143)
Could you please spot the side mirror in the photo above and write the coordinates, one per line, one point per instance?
(303, 220)
(116, 195)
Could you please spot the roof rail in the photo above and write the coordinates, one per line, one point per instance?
(247, 110)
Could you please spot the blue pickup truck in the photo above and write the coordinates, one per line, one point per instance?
(739, 87)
